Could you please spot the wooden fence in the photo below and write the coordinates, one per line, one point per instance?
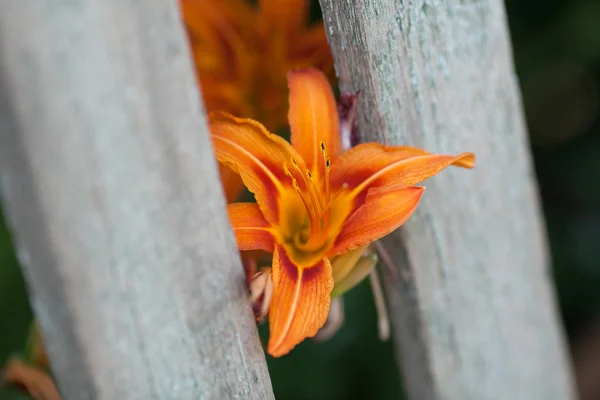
(474, 314)
(111, 187)
(112, 193)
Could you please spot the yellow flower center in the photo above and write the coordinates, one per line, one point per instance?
(308, 234)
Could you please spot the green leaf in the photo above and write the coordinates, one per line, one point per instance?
(15, 313)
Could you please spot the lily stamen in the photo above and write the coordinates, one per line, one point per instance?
(313, 190)
(313, 214)
(323, 209)
(313, 219)
(319, 225)
(327, 163)
(310, 187)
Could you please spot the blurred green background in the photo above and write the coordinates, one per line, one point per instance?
(557, 56)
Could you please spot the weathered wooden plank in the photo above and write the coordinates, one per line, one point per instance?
(111, 188)
(474, 314)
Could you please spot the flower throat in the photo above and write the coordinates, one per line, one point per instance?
(317, 208)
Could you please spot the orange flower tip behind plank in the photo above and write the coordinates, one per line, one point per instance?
(465, 160)
(300, 303)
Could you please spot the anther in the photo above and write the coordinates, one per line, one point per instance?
(308, 182)
(295, 185)
(327, 162)
(286, 171)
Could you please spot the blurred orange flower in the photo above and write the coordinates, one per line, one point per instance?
(242, 54)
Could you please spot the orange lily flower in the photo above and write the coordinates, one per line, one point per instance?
(315, 202)
(242, 54)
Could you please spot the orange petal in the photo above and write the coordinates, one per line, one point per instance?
(284, 15)
(37, 383)
(258, 156)
(231, 182)
(313, 51)
(313, 117)
(221, 30)
(223, 95)
(372, 165)
(384, 210)
(300, 304)
(251, 230)
(236, 13)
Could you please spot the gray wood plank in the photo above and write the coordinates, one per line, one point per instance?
(112, 192)
(474, 313)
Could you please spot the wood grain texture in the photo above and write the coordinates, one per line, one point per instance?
(112, 192)
(474, 313)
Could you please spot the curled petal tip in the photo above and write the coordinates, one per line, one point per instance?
(465, 160)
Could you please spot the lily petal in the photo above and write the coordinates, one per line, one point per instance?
(285, 16)
(218, 31)
(258, 156)
(232, 14)
(231, 182)
(313, 51)
(300, 303)
(250, 228)
(373, 164)
(384, 210)
(313, 117)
